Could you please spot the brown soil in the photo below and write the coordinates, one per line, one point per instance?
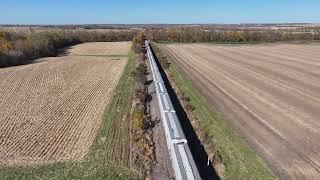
(101, 48)
(269, 93)
(51, 110)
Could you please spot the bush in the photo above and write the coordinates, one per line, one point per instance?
(140, 121)
(5, 46)
(137, 43)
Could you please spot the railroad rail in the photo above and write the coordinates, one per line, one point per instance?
(181, 158)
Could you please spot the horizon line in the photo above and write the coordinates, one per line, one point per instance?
(247, 23)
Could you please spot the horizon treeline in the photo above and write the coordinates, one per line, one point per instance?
(231, 35)
(17, 48)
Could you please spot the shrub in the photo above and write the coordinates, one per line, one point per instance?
(137, 43)
(5, 46)
(140, 122)
(190, 107)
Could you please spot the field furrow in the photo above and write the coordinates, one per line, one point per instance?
(51, 110)
(268, 93)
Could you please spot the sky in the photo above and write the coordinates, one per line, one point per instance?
(158, 11)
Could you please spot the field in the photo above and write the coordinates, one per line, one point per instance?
(52, 110)
(101, 49)
(268, 93)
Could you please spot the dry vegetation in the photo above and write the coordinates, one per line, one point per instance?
(52, 110)
(268, 93)
(233, 34)
(21, 47)
(143, 148)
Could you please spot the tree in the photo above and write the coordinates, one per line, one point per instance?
(172, 35)
(137, 42)
(5, 46)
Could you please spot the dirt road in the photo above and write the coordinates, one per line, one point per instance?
(269, 93)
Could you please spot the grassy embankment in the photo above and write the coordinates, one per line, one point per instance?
(236, 43)
(240, 161)
(98, 164)
(219, 42)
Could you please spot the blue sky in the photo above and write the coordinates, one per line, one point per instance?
(158, 11)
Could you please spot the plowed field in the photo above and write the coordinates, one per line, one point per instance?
(269, 93)
(51, 110)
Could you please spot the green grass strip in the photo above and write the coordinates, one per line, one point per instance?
(91, 55)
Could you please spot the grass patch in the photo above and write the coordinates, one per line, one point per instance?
(111, 55)
(97, 165)
(239, 42)
(240, 160)
(216, 42)
(261, 42)
(164, 42)
(245, 42)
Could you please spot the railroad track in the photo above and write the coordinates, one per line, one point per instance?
(181, 158)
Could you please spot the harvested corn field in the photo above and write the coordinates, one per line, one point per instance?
(101, 49)
(52, 110)
(268, 93)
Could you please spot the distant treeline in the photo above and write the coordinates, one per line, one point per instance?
(232, 36)
(20, 48)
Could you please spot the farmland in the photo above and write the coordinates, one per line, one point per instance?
(101, 49)
(268, 93)
(52, 110)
